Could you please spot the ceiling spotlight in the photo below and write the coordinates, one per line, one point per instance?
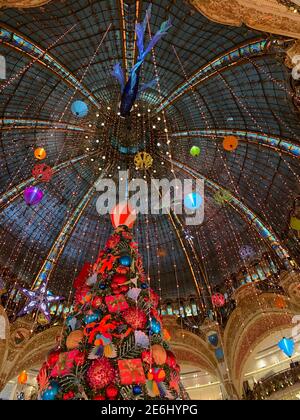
(162, 163)
(97, 141)
(103, 157)
(139, 115)
(149, 110)
(103, 124)
(108, 108)
(166, 130)
(169, 141)
(158, 119)
(87, 149)
(135, 105)
(110, 175)
(119, 113)
(97, 115)
(145, 177)
(154, 127)
(92, 160)
(154, 171)
(158, 144)
(100, 169)
(90, 125)
(86, 137)
(119, 167)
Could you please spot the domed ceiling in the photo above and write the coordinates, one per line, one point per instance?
(213, 81)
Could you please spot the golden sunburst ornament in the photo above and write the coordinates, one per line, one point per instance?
(143, 160)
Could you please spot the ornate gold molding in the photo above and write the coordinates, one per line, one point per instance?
(23, 4)
(262, 15)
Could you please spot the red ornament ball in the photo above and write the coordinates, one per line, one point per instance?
(99, 398)
(100, 374)
(97, 302)
(136, 318)
(112, 392)
(218, 300)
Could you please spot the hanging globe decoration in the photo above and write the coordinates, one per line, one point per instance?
(230, 143)
(287, 345)
(42, 172)
(33, 196)
(213, 339)
(247, 252)
(40, 153)
(23, 378)
(295, 223)
(79, 109)
(123, 215)
(195, 151)
(193, 201)
(280, 302)
(218, 300)
(143, 160)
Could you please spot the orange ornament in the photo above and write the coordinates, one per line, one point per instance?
(74, 339)
(40, 153)
(159, 354)
(23, 378)
(230, 143)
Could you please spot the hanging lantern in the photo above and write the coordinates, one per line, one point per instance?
(193, 201)
(295, 223)
(23, 378)
(143, 160)
(280, 302)
(247, 252)
(230, 143)
(195, 151)
(213, 339)
(40, 153)
(218, 300)
(33, 196)
(123, 214)
(79, 109)
(42, 172)
(287, 345)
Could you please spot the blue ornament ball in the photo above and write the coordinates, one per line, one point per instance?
(125, 260)
(90, 318)
(144, 286)
(137, 390)
(155, 326)
(79, 109)
(102, 286)
(51, 392)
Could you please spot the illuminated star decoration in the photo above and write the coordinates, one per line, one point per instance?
(39, 299)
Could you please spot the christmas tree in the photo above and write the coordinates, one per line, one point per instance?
(114, 346)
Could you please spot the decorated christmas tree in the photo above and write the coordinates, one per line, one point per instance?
(114, 345)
